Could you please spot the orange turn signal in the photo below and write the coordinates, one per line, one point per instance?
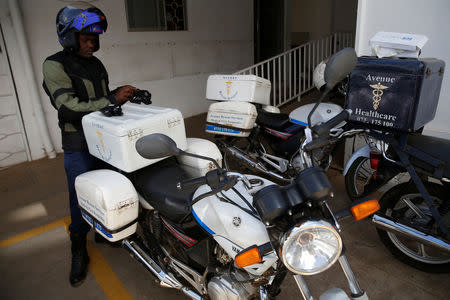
(248, 258)
(365, 209)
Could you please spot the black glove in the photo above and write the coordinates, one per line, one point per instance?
(142, 96)
(112, 110)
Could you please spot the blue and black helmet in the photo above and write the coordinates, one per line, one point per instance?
(79, 17)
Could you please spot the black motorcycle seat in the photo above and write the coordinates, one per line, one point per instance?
(272, 120)
(158, 185)
(436, 147)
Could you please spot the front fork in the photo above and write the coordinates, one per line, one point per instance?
(351, 278)
(355, 289)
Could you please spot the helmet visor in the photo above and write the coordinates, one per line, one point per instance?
(88, 20)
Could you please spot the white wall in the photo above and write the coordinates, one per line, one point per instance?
(314, 17)
(13, 145)
(172, 65)
(23, 110)
(428, 17)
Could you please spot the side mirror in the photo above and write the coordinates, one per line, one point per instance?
(339, 66)
(156, 145)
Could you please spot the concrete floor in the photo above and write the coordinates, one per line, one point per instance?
(35, 265)
(35, 250)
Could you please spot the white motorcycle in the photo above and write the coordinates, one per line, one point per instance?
(252, 133)
(223, 235)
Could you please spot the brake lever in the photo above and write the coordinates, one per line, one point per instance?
(242, 178)
(350, 132)
(308, 137)
(334, 132)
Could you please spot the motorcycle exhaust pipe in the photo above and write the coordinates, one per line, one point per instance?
(389, 224)
(139, 254)
(252, 163)
(165, 280)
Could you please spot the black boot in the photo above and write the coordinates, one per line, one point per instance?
(80, 259)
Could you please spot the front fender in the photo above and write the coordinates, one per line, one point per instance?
(361, 152)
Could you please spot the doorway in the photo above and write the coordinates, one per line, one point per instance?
(269, 28)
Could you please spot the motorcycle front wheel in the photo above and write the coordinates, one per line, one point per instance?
(394, 203)
(357, 178)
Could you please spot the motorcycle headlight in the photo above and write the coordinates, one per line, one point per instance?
(311, 247)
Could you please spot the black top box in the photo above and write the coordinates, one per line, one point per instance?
(394, 94)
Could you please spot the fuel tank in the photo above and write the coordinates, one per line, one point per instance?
(233, 222)
(323, 113)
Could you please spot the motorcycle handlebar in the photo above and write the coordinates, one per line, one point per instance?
(321, 142)
(213, 178)
(318, 143)
(323, 130)
(191, 183)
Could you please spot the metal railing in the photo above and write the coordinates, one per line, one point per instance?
(290, 73)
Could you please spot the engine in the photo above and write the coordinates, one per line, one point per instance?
(319, 157)
(227, 285)
(224, 287)
(222, 256)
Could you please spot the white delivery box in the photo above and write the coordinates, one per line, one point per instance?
(231, 118)
(108, 202)
(246, 88)
(197, 167)
(113, 139)
(396, 44)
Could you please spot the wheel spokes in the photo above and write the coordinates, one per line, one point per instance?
(421, 250)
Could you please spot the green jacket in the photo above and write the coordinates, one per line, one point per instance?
(76, 86)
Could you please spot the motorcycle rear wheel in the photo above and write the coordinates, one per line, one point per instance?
(411, 252)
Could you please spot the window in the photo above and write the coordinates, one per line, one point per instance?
(156, 15)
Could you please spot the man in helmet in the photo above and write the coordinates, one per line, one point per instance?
(77, 84)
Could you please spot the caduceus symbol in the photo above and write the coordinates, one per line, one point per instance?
(228, 84)
(100, 139)
(105, 156)
(377, 93)
(228, 87)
